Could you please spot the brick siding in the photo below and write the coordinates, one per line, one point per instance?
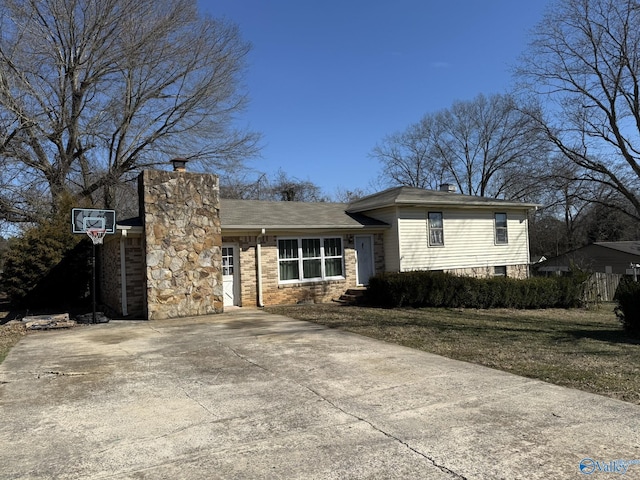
(110, 278)
(110, 290)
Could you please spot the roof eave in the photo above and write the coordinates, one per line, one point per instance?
(441, 203)
(304, 227)
(130, 228)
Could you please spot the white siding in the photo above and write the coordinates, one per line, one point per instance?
(414, 243)
(391, 244)
(469, 240)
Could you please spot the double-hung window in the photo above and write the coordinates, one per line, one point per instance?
(436, 229)
(502, 237)
(311, 258)
(307, 259)
(333, 257)
(288, 259)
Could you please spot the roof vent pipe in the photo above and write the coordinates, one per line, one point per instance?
(448, 187)
(179, 164)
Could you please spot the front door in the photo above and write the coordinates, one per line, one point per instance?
(364, 258)
(229, 275)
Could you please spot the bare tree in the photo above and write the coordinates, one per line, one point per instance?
(291, 189)
(407, 157)
(93, 90)
(584, 63)
(280, 187)
(345, 195)
(576, 210)
(486, 146)
(245, 185)
(564, 195)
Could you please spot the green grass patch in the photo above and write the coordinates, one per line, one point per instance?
(577, 348)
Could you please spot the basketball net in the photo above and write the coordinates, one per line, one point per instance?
(96, 235)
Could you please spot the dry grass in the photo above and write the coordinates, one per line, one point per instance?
(10, 333)
(583, 349)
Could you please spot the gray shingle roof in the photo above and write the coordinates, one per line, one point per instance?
(256, 214)
(630, 247)
(418, 196)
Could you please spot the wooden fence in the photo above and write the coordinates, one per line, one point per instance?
(601, 287)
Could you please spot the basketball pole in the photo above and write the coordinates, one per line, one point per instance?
(93, 282)
(95, 223)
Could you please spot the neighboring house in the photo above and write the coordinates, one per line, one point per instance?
(535, 259)
(602, 257)
(266, 253)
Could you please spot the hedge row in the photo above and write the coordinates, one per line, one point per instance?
(628, 308)
(437, 289)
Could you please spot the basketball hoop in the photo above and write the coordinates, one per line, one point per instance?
(96, 235)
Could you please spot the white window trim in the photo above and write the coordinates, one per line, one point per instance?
(233, 265)
(495, 228)
(300, 259)
(436, 245)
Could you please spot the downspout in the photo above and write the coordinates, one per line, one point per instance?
(259, 269)
(526, 217)
(123, 273)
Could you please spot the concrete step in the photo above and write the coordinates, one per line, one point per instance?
(353, 296)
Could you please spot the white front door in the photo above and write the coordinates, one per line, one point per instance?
(229, 275)
(364, 258)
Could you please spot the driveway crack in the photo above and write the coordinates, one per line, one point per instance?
(442, 468)
(432, 461)
(243, 358)
(196, 401)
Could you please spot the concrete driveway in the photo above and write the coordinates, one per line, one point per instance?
(250, 395)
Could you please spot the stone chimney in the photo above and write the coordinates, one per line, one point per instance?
(182, 242)
(448, 187)
(179, 164)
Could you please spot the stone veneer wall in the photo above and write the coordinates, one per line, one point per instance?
(513, 271)
(182, 240)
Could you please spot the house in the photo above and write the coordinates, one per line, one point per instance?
(191, 253)
(602, 257)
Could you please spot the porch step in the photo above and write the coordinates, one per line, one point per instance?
(353, 296)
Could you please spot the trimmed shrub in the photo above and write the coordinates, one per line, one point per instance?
(627, 310)
(437, 289)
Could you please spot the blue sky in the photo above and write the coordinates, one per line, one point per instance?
(330, 79)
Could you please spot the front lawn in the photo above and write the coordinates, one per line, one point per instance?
(583, 349)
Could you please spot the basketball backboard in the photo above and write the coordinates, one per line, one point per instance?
(83, 219)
